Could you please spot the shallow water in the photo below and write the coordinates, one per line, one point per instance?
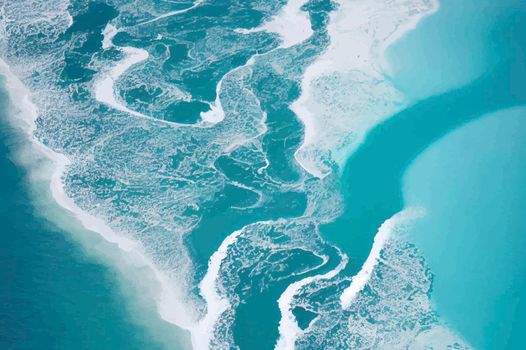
(471, 183)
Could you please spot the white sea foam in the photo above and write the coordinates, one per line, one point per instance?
(108, 34)
(384, 232)
(344, 92)
(216, 113)
(288, 326)
(291, 24)
(69, 19)
(172, 13)
(170, 305)
(215, 303)
(104, 87)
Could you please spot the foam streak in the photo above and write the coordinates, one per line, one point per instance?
(291, 24)
(216, 304)
(172, 13)
(384, 232)
(288, 326)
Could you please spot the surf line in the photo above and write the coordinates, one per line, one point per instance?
(359, 281)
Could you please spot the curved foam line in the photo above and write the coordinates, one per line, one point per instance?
(288, 326)
(172, 13)
(104, 86)
(291, 24)
(69, 19)
(216, 113)
(384, 232)
(216, 304)
(169, 306)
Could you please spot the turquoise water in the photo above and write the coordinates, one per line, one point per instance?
(176, 120)
(373, 173)
(454, 46)
(471, 183)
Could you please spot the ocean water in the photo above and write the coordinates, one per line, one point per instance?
(241, 162)
(471, 183)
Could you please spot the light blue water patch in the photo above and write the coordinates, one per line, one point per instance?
(473, 186)
(452, 47)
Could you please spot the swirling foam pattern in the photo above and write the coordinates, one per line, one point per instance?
(177, 122)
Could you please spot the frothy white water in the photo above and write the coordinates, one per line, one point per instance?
(215, 303)
(384, 232)
(172, 13)
(170, 301)
(291, 24)
(69, 19)
(108, 34)
(104, 87)
(345, 93)
(289, 330)
(216, 113)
